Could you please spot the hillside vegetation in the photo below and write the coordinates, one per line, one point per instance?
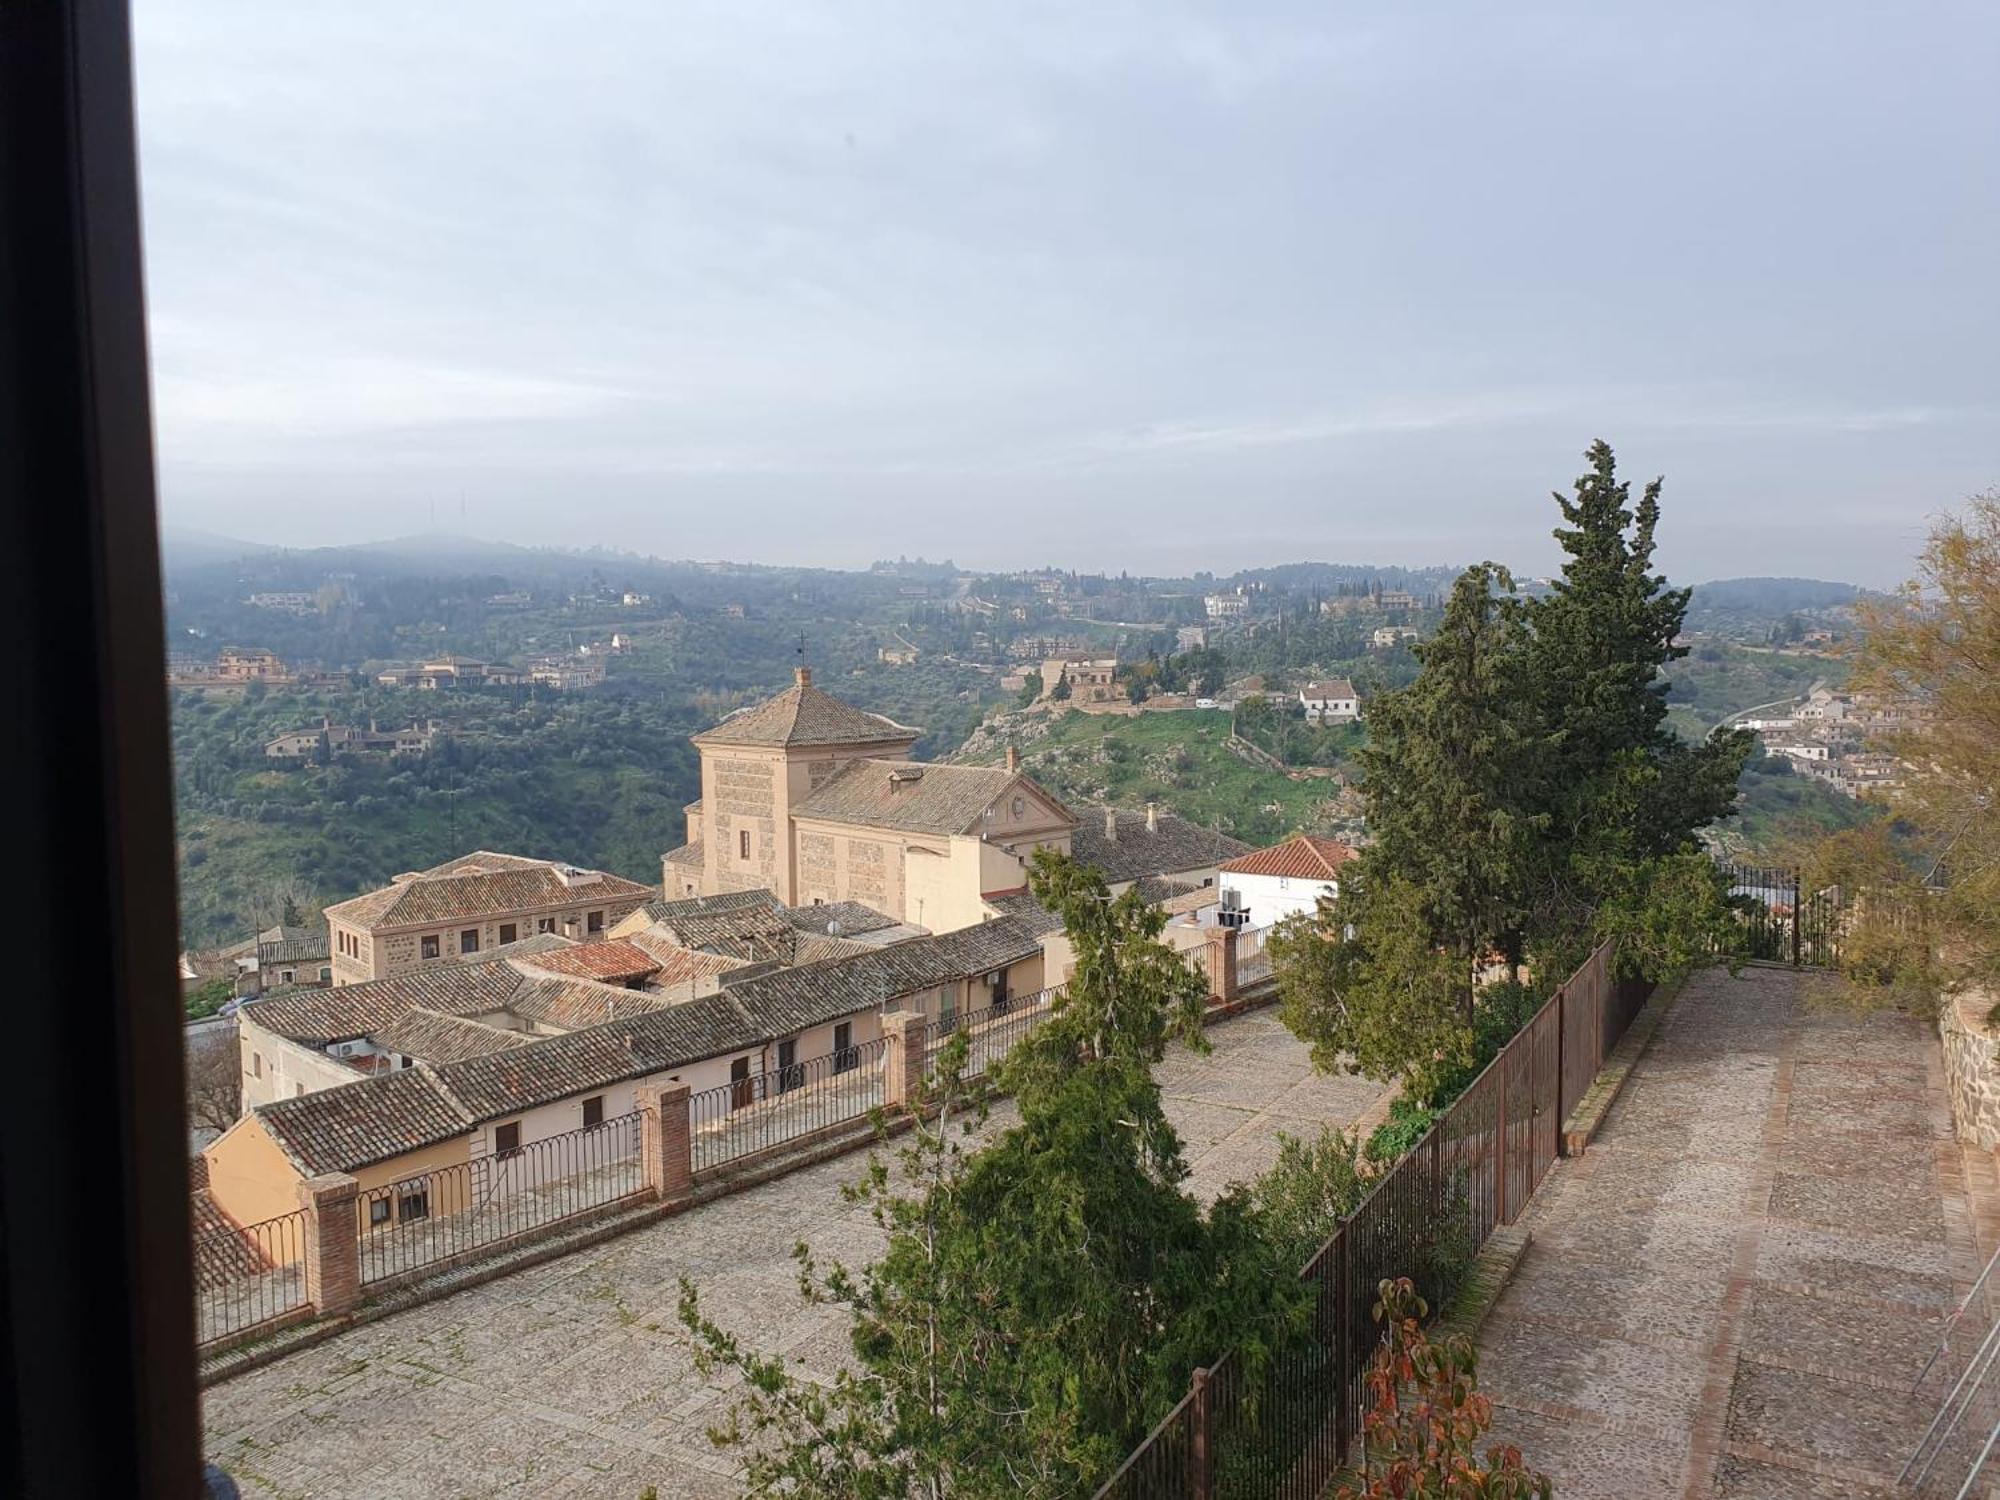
(1184, 761)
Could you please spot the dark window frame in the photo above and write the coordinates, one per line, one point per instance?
(507, 1140)
(593, 1107)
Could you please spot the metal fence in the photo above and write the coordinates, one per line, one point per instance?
(436, 1216)
(1282, 1429)
(990, 1033)
(247, 1275)
(761, 1111)
(1783, 922)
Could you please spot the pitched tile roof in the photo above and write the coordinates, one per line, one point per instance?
(358, 1124)
(482, 885)
(1338, 687)
(1022, 907)
(687, 856)
(573, 1004)
(1173, 846)
(804, 715)
(794, 999)
(918, 798)
(439, 1038)
(319, 1017)
(1304, 856)
(612, 959)
(666, 911)
(679, 965)
(853, 917)
(293, 950)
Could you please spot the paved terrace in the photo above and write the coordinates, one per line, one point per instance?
(567, 1380)
(1731, 1293)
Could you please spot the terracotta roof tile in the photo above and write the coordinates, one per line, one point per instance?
(804, 715)
(358, 1124)
(1305, 856)
(612, 959)
(483, 885)
(438, 1038)
(1174, 846)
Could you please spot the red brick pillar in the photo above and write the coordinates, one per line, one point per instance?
(665, 1150)
(1221, 963)
(903, 1060)
(333, 1244)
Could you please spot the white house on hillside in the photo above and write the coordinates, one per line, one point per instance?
(1269, 885)
(1333, 702)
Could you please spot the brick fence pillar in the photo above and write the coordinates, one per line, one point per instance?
(1221, 963)
(904, 1059)
(665, 1148)
(333, 1244)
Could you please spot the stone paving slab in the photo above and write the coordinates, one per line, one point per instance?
(568, 1380)
(1731, 1294)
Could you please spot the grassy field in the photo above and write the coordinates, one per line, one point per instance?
(1180, 760)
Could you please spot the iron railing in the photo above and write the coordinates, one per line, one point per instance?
(1783, 922)
(762, 1111)
(1280, 1430)
(990, 1033)
(248, 1275)
(436, 1216)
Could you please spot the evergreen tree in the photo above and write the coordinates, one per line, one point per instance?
(1042, 1299)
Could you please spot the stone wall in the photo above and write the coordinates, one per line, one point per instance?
(1972, 1067)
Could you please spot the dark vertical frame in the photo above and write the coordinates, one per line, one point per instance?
(97, 1388)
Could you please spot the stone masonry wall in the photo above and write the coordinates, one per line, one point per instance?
(1972, 1068)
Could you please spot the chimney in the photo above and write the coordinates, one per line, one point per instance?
(803, 676)
(1152, 817)
(1111, 824)
(1013, 759)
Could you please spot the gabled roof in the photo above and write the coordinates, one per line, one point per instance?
(1173, 846)
(916, 798)
(613, 959)
(574, 1004)
(687, 856)
(1304, 856)
(853, 919)
(803, 715)
(666, 911)
(354, 1126)
(320, 1017)
(484, 885)
(436, 1037)
(1338, 687)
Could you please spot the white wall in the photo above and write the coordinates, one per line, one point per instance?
(1272, 898)
(275, 1067)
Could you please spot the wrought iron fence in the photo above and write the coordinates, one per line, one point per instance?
(247, 1275)
(990, 1033)
(436, 1216)
(1783, 922)
(764, 1110)
(1280, 1430)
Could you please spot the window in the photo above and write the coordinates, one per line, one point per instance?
(1019, 807)
(298, 1091)
(844, 1059)
(378, 1211)
(507, 932)
(545, 924)
(743, 843)
(256, 1065)
(594, 922)
(407, 1061)
(790, 1074)
(325, 974)
(593, 1111)
(507, 1139)
(468, 940)
(428, 948)
(414, 1203)
(287, 976)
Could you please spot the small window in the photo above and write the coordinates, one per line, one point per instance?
(429, 948)
(414, 1203)
(298, 1091)
(1020, 807)
(325, 974)
(468, 940)
(507, 1139)
(378, 1210)
(844, 1059)
(508, 932)
(545, 924)
(743, 843)
(288, 976)
(595, 922)
(593, 1111)
(256, 1065)
(408, 1060)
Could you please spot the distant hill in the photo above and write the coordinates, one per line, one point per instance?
(1774, 595)
(191, 547)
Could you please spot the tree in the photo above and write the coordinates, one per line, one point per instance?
(1921, 894)
(1043, 1297)
(214, 1084)
(209, 999)
(1031, 689)
(1426, 1414)
(1060, 693)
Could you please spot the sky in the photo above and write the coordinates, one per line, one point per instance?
(1149, 286)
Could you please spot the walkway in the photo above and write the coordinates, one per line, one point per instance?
(567, 1380)
(1732, 1291)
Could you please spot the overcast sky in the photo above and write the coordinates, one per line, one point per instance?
(1149, 285)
